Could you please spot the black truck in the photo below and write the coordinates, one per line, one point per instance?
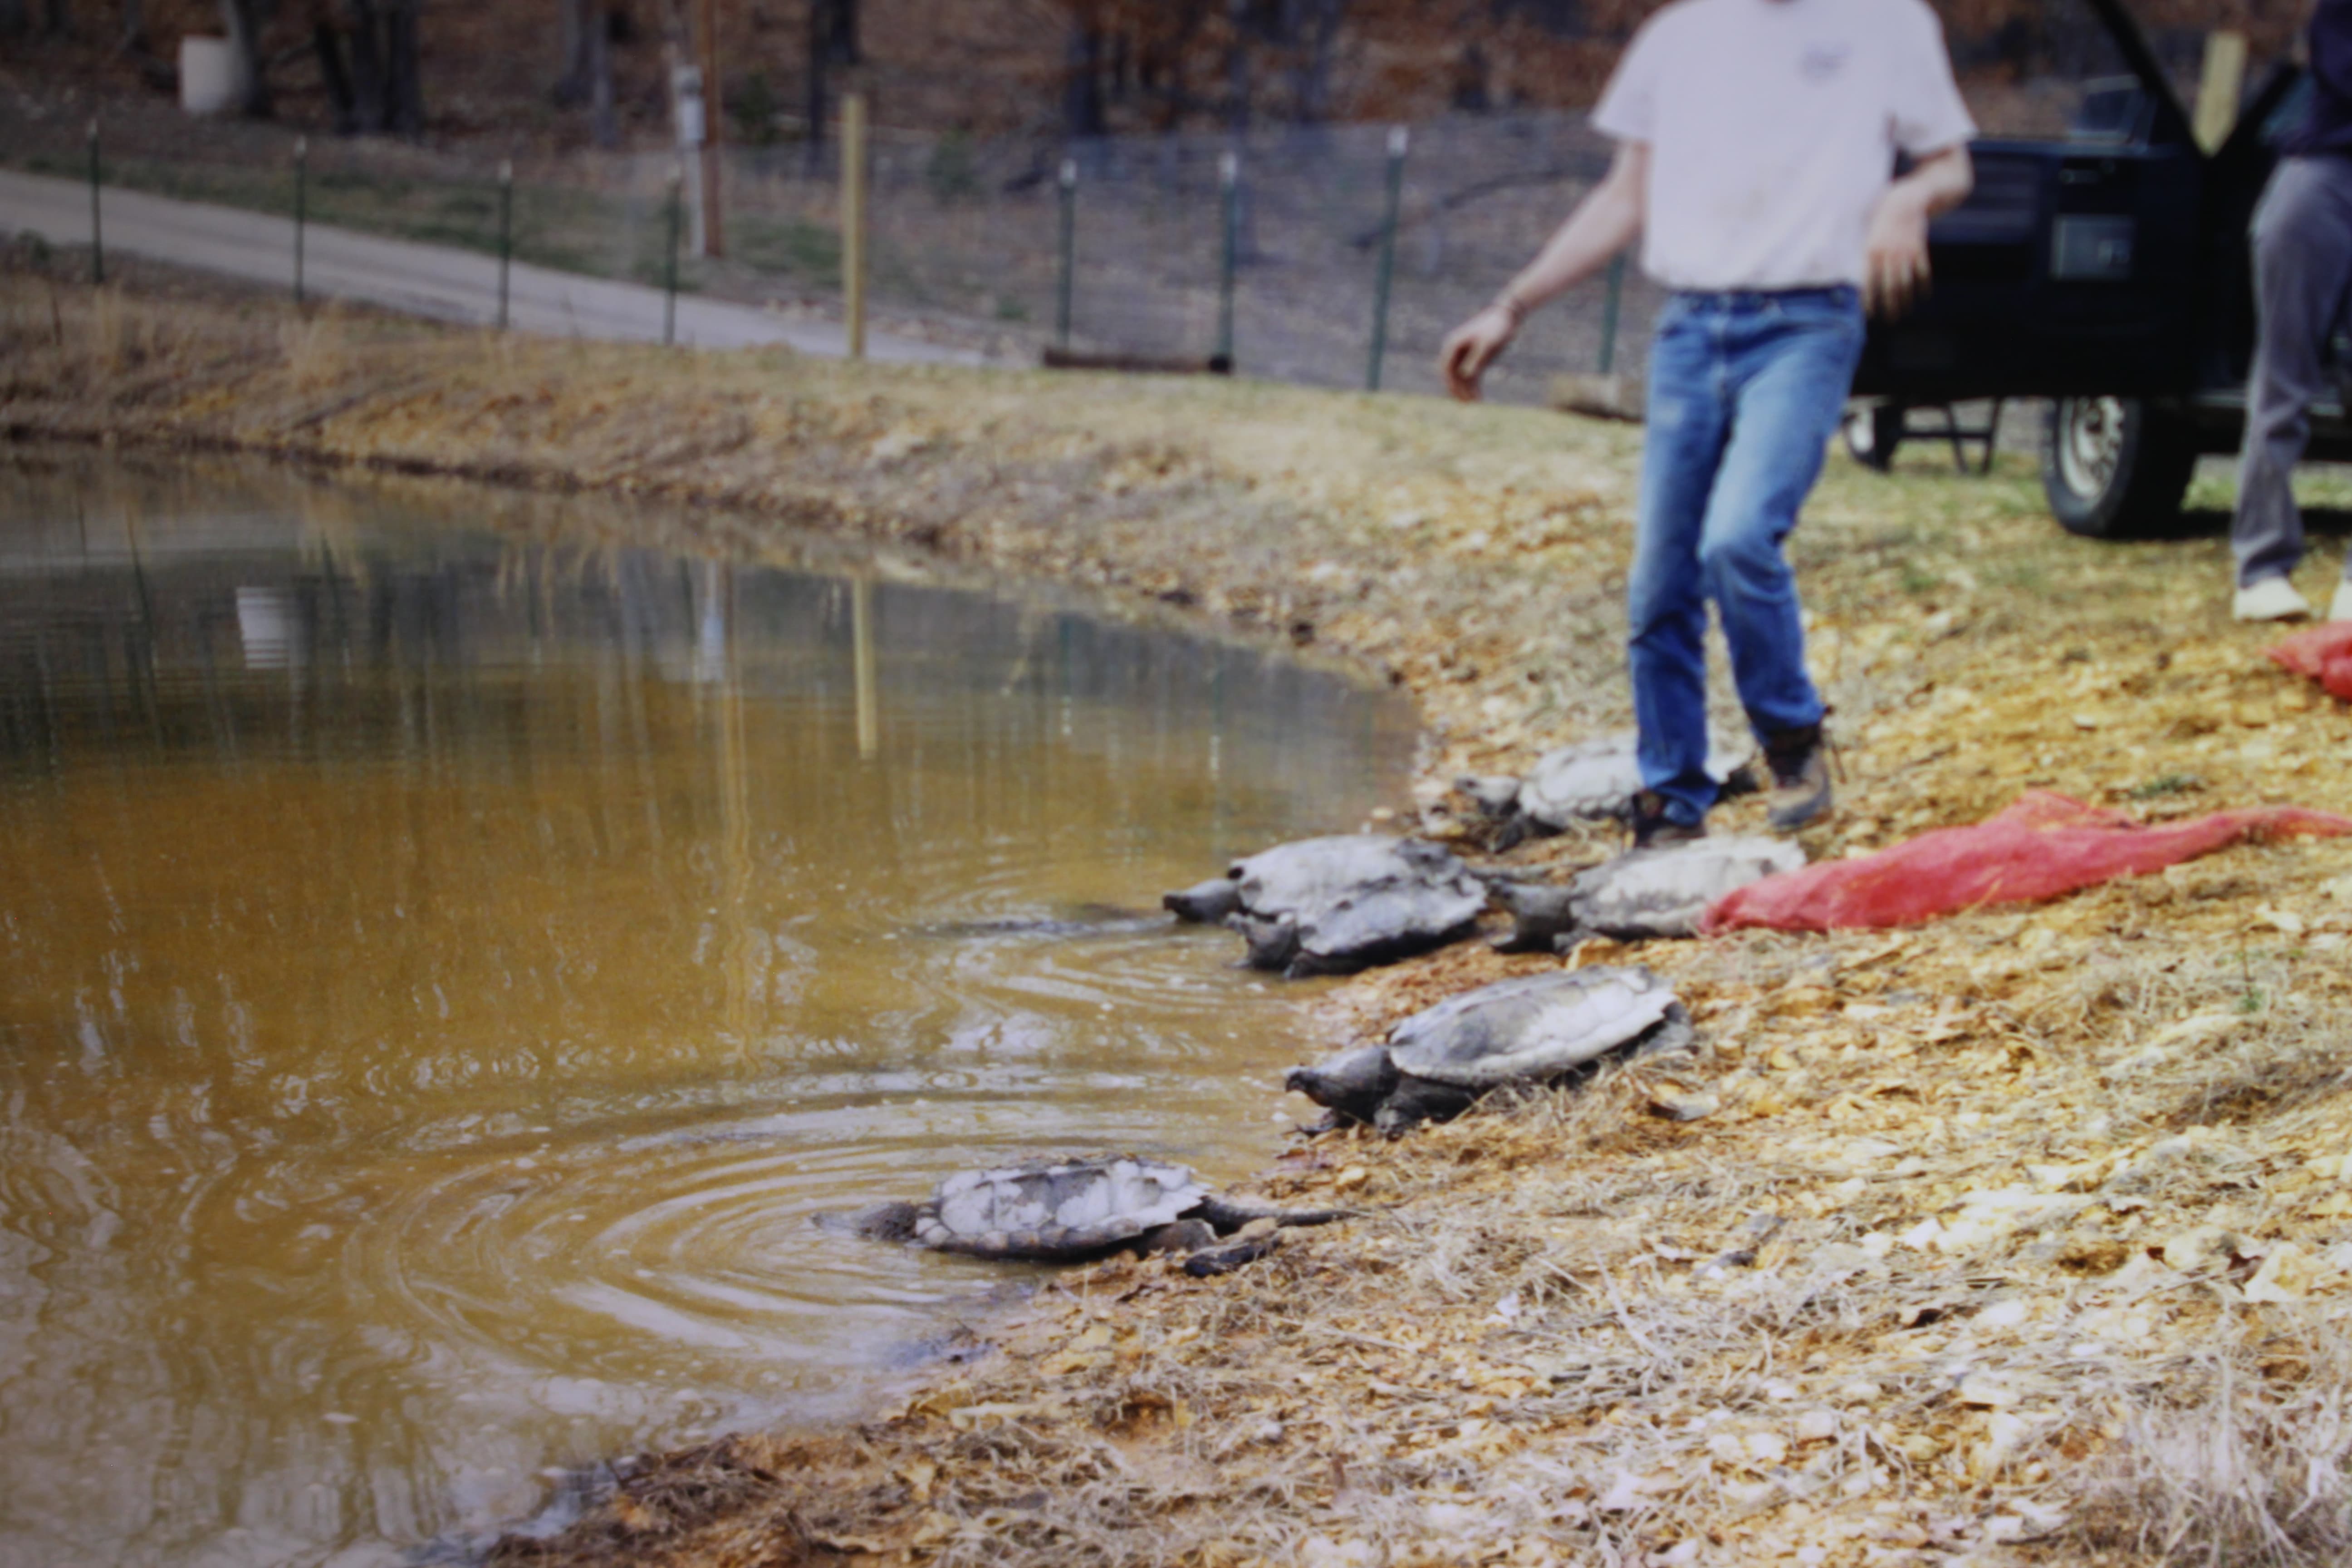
(2110, 274)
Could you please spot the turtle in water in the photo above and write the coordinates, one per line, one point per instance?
(1589, 780)
(1660, 892)
(1533, 1029)
(1330, 906)
(1074, 1210)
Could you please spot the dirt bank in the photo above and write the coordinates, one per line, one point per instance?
(2022, 1237)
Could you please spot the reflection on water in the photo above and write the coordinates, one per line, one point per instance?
(443, 974)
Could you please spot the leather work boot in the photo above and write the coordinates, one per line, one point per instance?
(1653, 829)
(1800, 760)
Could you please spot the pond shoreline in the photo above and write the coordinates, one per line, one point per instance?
(1974, 1142)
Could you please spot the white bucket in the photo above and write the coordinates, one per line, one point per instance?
(212, 78)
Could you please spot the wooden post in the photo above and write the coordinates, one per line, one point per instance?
(1229, 183)
(97, 240)
(669, 255)
(301, 205)
(1399, 140)
(714, 125)
(2219, 89)
(853, 220)
(506, 233)
(1068, 247)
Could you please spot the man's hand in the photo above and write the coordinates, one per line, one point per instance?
(1471, 347)
(1607, 220)
(1896, 265)
(1896, 272)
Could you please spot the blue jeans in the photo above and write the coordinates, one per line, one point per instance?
(1746, 391)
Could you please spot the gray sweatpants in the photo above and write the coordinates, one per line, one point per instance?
(2303, 270)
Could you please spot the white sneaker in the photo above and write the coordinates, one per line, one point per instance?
(2341, 610)
(2271, 599)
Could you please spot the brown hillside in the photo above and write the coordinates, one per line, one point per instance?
(994, 67)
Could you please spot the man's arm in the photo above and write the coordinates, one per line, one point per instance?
(1605, 222)
(1897, 274)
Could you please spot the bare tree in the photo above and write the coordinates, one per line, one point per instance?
(832, 45)
(1082, 83)
(586, 28)
(379, 89)
(244, 20)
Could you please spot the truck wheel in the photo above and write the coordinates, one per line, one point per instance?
(1872, 433)
(2114, 468)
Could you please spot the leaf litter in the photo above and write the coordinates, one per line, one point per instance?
(2024, 1235)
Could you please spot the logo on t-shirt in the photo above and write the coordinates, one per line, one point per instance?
(1823, 62)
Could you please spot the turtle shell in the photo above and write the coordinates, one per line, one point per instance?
(1598, 778)
(1535, 1026)
(1055, 1213)
(1351, 899)
(1664, 892)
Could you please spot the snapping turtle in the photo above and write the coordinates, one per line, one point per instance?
(1066, 1212)
(1595, 780)
(1535, 1028)
(1640, 893)
(1329, 906)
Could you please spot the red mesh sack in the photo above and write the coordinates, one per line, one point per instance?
(2043, 846)
(2323, 653)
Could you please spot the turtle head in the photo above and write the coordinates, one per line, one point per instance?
(1353, 1083)
(882, 1222)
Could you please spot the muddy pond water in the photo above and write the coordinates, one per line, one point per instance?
(443, 969)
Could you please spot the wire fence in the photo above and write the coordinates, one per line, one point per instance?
(983, 238)
(1334, 255)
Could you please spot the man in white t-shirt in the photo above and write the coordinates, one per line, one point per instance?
(1755, 154)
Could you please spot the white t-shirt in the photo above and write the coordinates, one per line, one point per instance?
(1773, 127)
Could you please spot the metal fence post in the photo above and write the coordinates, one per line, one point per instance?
(1609, 306)
(302, 203)
(669, 269)
(1229, 186)
(1069, 246)
(853, 220)
(96, 240)
(1399, 139)
(506, 233)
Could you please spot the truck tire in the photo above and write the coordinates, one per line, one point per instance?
(2114, 468)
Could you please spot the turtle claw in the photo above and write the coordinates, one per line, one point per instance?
(1184, 1236)
(1249, 1243)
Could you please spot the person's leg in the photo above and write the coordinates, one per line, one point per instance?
(1665, 602)
(1795, 361)
(2302, 261)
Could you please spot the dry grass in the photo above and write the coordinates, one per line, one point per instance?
(2026, 1235)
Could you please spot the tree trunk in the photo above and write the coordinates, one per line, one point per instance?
(820, 58)
(404, 94)
(1317, 36)
(244, 21)
(368, 98)
(15, 22)
(135, 28)
(1238, 69)
(831, 41)
(575, 20)
(328, 45)
(1082, 98)
(602, 123)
